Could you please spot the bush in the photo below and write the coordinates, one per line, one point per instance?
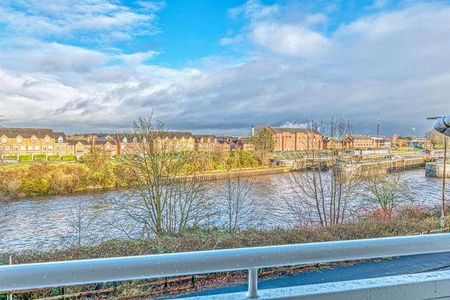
(69, 158)
(35, 180)
(25, 158)
(68, 179)
(53, 158)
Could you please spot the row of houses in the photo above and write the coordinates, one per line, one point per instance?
(31, 141)
(44, 141)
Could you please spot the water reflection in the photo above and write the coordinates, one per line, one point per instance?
(59, 221)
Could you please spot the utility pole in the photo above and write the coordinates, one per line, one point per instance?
(442, 125)
(444, 179)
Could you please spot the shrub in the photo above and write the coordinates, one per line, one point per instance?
(54, 158)
(35, 179)
(69, 158)
(68, 179)
(25, 158)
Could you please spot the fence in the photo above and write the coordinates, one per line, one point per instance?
(78, 272)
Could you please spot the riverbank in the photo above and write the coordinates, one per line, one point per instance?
(41, 179)
(64, 178)
(409, 221)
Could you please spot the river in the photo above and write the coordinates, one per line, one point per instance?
(45, 223)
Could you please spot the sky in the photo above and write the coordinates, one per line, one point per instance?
(211, 66)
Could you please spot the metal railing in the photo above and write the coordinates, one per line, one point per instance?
(77, 272)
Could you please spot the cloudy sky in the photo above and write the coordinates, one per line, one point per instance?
(221, 66)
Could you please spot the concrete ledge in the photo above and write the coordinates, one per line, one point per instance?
(430, 285)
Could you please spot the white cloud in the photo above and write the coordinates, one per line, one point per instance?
(138, 57)
(66, 18)
(289, 39)
(391, 65)
(315, 19)
(254, 9)
(36, 56)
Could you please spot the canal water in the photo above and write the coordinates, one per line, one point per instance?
(45, 223)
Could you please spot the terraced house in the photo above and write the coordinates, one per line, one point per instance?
(31, 141)
(170, 141)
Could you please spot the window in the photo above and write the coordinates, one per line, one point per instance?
(15, 148)
(19, 140)
(60, 139)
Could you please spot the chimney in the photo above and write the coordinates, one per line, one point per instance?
(378, 127)
(253, 130)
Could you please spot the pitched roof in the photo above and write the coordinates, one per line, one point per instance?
(104, 141)
(204, 136)
(293, 130)
(155, 134)
(74, 142)
(29, 132)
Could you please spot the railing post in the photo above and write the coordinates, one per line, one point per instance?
(252, 283)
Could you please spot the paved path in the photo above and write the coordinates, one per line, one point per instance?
(387, 267)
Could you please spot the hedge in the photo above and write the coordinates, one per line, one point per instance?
(25, 158)
(69, 158)
(53, 157)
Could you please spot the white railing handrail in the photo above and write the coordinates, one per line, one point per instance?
(66, 273)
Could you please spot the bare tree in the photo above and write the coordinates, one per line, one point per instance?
(339, 128)
(79, 225)
(238, 206)
(386, 191)
(167, 197)
(327, 193)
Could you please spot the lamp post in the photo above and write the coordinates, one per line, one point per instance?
(442, 125)
(444, 179)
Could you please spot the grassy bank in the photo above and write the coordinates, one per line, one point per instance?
(412, 221)
(99, 171)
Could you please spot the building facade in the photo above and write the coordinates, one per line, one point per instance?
(31, 141)
(296, 139)
(365, 142)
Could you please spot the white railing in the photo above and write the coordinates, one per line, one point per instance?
(66, 273)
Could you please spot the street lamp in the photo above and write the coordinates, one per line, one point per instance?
(442, 125)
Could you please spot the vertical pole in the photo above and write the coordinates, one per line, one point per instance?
(10, 296)
(252, 283)
(444, 177)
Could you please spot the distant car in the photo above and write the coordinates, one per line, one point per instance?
(8, 161)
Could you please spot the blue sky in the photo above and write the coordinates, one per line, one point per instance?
(222, 66)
